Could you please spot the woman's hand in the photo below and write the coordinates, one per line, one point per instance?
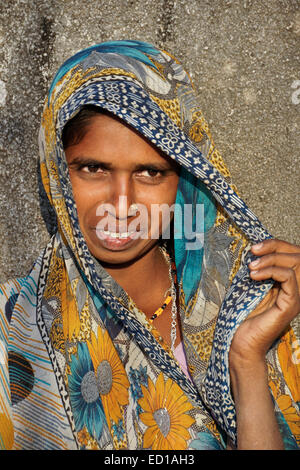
(257, 427)
(280, 261)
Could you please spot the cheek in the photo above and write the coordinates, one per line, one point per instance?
(162, 194)
(158, 204)
(86, 199)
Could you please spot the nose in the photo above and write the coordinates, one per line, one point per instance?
(122, 196)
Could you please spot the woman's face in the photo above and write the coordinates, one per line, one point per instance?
(112, 168)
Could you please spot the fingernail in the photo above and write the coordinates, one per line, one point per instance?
(255, 263)
(258, 246)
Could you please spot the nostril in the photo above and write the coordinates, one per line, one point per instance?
(124, 209)
(133, 209)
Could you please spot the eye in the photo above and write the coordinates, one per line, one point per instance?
(151, 173)
(91, 168)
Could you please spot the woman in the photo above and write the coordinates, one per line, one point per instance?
(141, 329)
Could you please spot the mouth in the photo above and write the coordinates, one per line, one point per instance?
(115, 241)
(116, 235)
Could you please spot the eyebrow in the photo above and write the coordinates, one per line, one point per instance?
(85, 161)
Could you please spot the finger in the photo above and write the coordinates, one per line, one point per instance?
(286, 276)
(274, 245)
(288, 297)
(285, 260)
(278, 317)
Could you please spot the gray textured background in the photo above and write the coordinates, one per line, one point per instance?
(242, 55)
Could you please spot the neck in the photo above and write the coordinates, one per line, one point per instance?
(147, 270)
(146, 281)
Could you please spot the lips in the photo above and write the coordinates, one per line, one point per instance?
(117, 234)
(107, 229)
(116, 240)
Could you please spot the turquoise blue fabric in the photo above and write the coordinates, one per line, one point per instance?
(191, 192)
(135, 49)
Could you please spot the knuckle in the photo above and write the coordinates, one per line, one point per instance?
(297, 260)
(290, 273)
(297, 308)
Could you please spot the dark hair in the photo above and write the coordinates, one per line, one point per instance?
(76, 128)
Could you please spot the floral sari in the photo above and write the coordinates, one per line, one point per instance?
(81, 367)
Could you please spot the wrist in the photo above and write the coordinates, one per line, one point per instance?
(242, 363)
(257, 427)
(247, 377)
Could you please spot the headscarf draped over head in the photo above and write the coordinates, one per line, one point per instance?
(118, 381)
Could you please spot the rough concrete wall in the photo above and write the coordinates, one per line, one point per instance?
(242, 55)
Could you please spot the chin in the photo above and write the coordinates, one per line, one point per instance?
(125, 256)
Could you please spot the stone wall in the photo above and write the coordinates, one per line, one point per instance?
(242, 55)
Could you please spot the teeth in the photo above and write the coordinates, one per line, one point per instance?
(117, 234)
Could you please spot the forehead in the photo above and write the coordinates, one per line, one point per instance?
(109, 139)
